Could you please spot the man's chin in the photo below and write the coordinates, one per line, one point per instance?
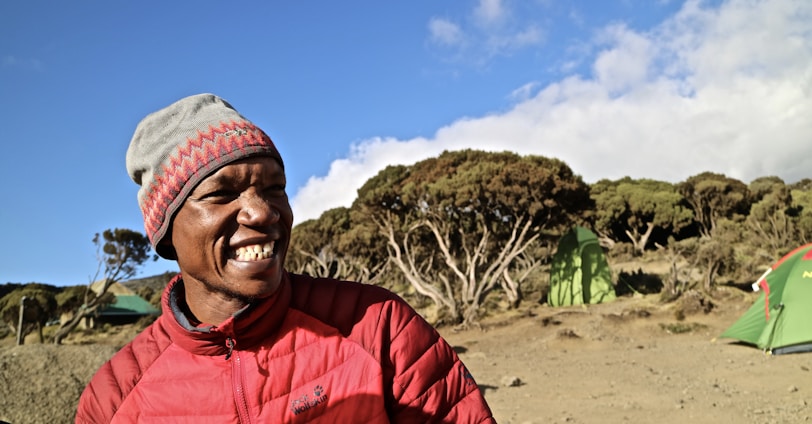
(263, 294)
(257, 288)
(247, 288)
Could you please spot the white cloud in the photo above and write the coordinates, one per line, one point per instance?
(524, 92)
(489, 12)
(445, 32)
(490, 31)
(530, 36)
(626, 63)
(725, 89)
(346, 176)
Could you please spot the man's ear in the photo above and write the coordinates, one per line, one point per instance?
(165, 248)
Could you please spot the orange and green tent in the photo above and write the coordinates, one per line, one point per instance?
(780, 321)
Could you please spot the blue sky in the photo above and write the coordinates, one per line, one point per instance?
(648, 89)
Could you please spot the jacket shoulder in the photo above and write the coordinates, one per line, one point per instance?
(425, 377)
(117, 378)
(341, 304)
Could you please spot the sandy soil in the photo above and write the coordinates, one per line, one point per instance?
(610, 363)
(617, 363)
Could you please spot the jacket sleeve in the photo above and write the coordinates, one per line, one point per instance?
(98, 400)
(116, 379)
(429, 382)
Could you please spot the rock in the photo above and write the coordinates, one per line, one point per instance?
(511, 381)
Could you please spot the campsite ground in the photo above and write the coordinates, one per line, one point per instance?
(629, 361)
(633, 361)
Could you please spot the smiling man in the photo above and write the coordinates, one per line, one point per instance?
(240, 339)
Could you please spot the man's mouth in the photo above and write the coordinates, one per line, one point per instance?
(254, 252)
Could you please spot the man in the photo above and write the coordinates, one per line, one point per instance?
(240, 339)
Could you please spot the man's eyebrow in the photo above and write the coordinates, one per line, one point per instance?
(215, 179)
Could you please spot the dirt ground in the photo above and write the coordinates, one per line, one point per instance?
(620, 362)
(628, 362)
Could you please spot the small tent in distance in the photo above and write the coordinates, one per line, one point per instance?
(779, 320)
(580, 273)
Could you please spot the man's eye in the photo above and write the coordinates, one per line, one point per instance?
(219, 196)
(276, 189)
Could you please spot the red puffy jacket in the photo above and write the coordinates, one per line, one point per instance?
(319, 350)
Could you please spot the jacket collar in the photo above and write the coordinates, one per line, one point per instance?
(246, 328)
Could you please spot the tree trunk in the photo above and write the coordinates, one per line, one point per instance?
(71, 325)
(641, 242)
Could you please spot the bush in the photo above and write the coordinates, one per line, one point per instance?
(638, 282)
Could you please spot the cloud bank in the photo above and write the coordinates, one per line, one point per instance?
(725, 89)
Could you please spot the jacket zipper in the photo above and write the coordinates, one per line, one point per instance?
(237, 382)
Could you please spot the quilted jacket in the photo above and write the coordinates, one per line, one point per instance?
(317, 351)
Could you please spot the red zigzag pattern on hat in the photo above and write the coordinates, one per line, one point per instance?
(198, 152)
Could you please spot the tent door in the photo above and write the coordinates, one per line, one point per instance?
(766, 339)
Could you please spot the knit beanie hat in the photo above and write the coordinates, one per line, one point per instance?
(175, 148)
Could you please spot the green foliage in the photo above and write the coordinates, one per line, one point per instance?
(336, 246)
(802, 210)
(150, 288)
(633, 209)
(457, 226)
(772, 218)
(452, 229)
(71, 298)
(714, 196)
(40, 307)
(715, 256)
(8, 288)
(122, 252)
(37, 295)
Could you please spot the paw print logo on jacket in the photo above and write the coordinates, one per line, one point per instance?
(305, 403)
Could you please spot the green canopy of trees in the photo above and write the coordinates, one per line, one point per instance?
(465, 227)
(632, 209)
(459, 227)
(455, 225)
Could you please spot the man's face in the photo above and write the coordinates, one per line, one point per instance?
(232, 232)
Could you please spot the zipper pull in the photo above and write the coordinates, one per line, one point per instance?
(230, 345)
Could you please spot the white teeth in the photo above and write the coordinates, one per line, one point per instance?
(255, 252)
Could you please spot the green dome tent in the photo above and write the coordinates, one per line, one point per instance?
(780, 321)
(580, 273)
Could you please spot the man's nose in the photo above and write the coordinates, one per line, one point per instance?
(256, 211)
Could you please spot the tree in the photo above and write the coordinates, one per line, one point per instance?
(714, 196)
(772, 219)
(455, 225)
(716, 255)
(120, 252)
(712, 257)
(331, 247)
(635, 208)
(802, 209)
(39, 307)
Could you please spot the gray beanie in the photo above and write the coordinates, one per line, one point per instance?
(175, 148)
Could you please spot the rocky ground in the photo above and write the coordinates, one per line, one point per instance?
(629, 361)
